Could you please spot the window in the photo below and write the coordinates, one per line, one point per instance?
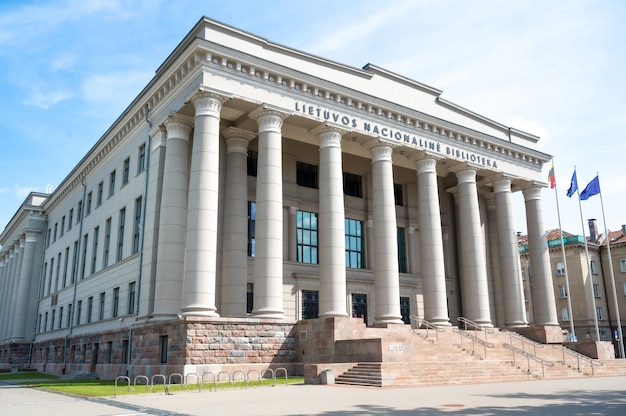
(58, 273)
(70, 219)
(88, 208)
(94, 250)
(48, 237)
(306, 175)
(50, 275)
(109, 352)
(116, 301)
(56, 229)
(624, 289)
(45, 323)
(564, 314)
(249, 297)
(79, 310)
(120, 235)
(84, 258)
(599, 313)
(74, 261)
(163, 343)
(131, 297)
(125, 171)
(111, 184)
(61, 317)
(397, 194)
(251, 228)
(401, 250)
(79, 212)
(62, 229)
(69, 315)
(354, 244)
(100, 192)
(54, 311)
(253, 159)
(560, 268)
(596, 290)
(89, 308)
(622, 265)
(594, 267)
(137, 225)
(102, 303)
(141, 158)
(306, 235)
(352, 185)
(310, 304)
(65, 264)
(39, 324)
(562, 292)
(125, 346)
(107, 243)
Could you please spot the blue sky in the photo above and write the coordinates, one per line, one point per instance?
(556, 69)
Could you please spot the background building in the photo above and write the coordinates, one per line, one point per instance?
(249, 186)
(588, 300)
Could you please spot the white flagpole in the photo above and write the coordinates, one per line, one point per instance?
(620, 340)
(590, 275)
(569, 298)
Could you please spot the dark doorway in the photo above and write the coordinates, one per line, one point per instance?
(359, 306)
(310, 304)
(405, 309)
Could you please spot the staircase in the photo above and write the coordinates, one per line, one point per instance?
(453, 356)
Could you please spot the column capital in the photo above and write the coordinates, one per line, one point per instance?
(532, 193)
(31, 235)
(158, 137)
(293, 210)
(381, 152)
(466, 175)
(269, 118)
(329, 135)
(207, 103)
(425, 164)
(178, 127)
(501, 185)
(237, 140)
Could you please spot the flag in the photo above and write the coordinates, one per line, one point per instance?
(592, 188)
(573, 187)
(551, 177)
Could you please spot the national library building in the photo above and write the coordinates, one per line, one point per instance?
(254, 196)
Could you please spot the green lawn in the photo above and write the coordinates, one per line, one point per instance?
(99, 388)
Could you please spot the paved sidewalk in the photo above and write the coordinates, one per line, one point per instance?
(571, 397)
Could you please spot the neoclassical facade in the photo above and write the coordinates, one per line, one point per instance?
(250, 185)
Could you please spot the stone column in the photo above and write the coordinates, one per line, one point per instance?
(235, 229)
(369, 244)
(4, 296)
(173, 221)
(386, 275)
(268, 262)
(331, 222)
(510, 269)
(24, 286)
(543, 287)
(202, 219)
(11, 274)
(431, 243)
(497, 308)
(473, 261)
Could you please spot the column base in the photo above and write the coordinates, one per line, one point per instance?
(268, 314)
(197, 311)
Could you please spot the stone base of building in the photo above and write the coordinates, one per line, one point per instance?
(601, 350)
(14, 356)
(180, 346)
(546, 334)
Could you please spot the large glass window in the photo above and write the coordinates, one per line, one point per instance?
(306, 175)
(352, 185)
(401, 250)
(251, 228)
(306, 229)
(354, 244)
(120, 235)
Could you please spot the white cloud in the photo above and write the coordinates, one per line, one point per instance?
(45, 99)
(114, 88)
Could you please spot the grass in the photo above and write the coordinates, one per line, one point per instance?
(103, 388)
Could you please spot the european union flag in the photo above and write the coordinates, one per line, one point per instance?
(573, 187)
(592, 188)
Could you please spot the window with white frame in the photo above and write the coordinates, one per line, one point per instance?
(599, 313)
(564, 314)
(560, 268)
(594, 267)
(562, 291)
(622, 265)
(596, 290)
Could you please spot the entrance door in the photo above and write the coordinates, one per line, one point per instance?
(94, 358)
(359, 306)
